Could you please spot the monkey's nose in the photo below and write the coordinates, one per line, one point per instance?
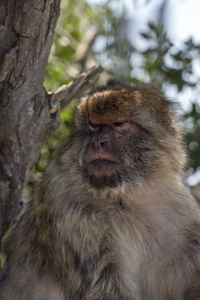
(100, 144)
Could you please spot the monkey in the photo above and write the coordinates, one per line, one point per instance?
(112, 218)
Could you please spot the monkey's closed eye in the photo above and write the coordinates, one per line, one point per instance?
(93, 127)
(118, 123)
(121, 125)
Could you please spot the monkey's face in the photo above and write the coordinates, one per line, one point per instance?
(126, 135)
(105, 158)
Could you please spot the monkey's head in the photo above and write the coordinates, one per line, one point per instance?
(127, 134)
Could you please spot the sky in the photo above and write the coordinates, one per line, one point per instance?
(183, 15)
(185, 19)
(182, 19)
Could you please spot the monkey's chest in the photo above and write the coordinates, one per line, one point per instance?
(145, 265)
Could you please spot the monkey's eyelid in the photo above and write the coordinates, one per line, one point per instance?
(93, 125)
(118, 123)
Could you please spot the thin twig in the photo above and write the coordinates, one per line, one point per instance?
(84, 49)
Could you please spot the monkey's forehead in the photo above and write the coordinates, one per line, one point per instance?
(119, 105)
(105, 105)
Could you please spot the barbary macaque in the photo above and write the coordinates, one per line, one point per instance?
(111, 219)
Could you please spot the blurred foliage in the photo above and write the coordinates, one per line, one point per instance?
(102, 34)
(165, 64)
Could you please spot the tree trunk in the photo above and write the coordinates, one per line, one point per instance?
(26, 33)
(28, 114)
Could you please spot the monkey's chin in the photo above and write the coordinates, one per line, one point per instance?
(103, 174)
(100, 182)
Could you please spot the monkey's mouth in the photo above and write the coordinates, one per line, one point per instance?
(103, 173)
(100, 157)
(103, 166)
(103, 161)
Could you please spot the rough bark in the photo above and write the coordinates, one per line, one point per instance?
(27, 111)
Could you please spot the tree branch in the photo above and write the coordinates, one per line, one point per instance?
(84, 50)
(67, 92)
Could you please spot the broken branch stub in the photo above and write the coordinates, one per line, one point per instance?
(66, 93)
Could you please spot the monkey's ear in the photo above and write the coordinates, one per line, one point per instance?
(110, 84)
(81, 113)
(113, 82)
(77, 116)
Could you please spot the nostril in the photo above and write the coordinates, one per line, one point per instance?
(99, 145)
(102, 144)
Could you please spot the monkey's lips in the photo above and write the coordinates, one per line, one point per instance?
(102, 167)
(103, 173)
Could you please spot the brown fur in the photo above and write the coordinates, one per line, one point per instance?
(111, 219)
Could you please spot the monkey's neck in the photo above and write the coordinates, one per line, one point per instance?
(153, 201)
(154, 191)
